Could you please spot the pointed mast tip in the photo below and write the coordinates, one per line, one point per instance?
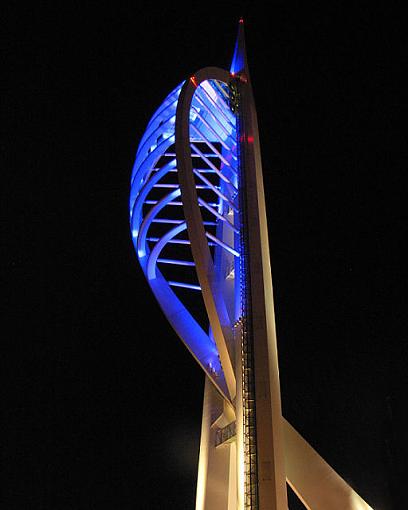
(239, 63)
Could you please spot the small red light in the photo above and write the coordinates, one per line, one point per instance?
(250, 139)
(243, 77)
(241, 20)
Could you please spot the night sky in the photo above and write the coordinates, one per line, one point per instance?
(101, 402)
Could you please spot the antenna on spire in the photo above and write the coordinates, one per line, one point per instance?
(239, 60)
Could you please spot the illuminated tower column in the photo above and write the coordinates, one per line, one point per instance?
(198, 223)
(259, 308)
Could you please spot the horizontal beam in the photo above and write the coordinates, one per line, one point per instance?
(213, 211)
(154, 202)
(184, 285)
(173, 186)
(177, 262)
(222, 244)
(173, 241)
(201, 170)
(178, 222)
(173, 155)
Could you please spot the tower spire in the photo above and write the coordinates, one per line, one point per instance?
(239, 62)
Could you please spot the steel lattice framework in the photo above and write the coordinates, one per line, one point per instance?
(198, 224)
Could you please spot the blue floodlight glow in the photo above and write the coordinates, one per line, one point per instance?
(157, 222)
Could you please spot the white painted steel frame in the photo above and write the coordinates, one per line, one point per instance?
(193, 114)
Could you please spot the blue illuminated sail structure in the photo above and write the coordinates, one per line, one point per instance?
(156, 209)
(198, 224)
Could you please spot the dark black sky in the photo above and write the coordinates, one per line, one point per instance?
(101, 404)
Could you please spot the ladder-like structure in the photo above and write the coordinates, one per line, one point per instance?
(198, 223)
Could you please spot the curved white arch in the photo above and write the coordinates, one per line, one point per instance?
(216, 309)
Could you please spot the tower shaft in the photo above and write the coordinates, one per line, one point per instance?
(262, 363)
